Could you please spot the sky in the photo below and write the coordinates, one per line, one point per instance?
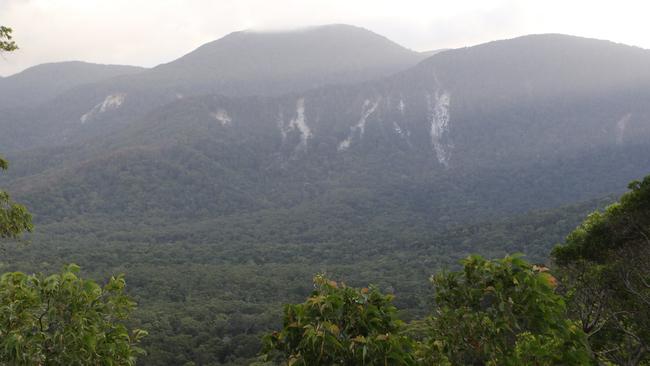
(150, 32)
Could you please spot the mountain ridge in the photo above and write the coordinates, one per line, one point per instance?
(220, 208)
(416, 131)
(270, 70)
(40, 83)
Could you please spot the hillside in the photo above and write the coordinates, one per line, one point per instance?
(41, 83)
(280, 62)
(239, 64)
(426, 139)
(220, 206)
(208, 289)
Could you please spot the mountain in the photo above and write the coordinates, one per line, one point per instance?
(503, 127)
(219, 208)
(433, 52)
(41, 83)
(279, 62)
(239, 64)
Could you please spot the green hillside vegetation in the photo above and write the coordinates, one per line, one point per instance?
(499, 312)
(60, 319)
(218, 210)
(605, 262)
(244, 268)
(64, 320)
(208, 290)
(14, 217)
(502, 312)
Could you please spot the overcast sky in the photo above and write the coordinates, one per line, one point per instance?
(150, 32)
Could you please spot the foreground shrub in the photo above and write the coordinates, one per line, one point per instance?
(65, 320)
(501, 312)
(340, 325)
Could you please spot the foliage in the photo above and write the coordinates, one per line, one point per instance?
(493, 312)
(60, 319)
(208, 290)
(63, 319)
(14, 218)
(340, 325)
(6, 43)
(502, 312)
(218, 226)
(622, 225)
(608, 277)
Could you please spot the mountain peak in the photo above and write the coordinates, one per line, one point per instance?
(42, 82)
(71, 68)
(336, 28)
(288, 60)
(559, 40)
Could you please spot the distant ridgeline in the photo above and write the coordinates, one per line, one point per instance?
(219, 183)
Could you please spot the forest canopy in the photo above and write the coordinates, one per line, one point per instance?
(497, 312)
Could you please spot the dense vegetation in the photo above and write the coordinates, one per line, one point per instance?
(60, 319)
(14, 217)
(216, 225)
(65, 320)
(505, 312)
(244, 267)
(502, 313)
(339, 325)
(607, 271)
(208, 290)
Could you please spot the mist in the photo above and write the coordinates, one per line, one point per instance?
(151, 32)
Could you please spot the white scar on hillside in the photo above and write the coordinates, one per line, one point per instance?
(367, 109)
(297, 123)
(397, 126)
(111, 102)
(403, 132)
(401, 106)
(438, 109)
(621, 125)
(222, 116)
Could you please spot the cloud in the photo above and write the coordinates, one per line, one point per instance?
(149, 32)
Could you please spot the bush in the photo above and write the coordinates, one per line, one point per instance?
(65, 320)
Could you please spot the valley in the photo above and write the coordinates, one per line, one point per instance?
(222, 182)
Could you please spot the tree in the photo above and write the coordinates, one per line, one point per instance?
(502, 312)
(340, 325)
(65, 320)
(14, 218)
(6, 42)
(605, 263)
(61, 319)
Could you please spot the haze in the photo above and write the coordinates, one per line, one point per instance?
(150, 32)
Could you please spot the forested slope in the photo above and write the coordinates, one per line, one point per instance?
(220, 207)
